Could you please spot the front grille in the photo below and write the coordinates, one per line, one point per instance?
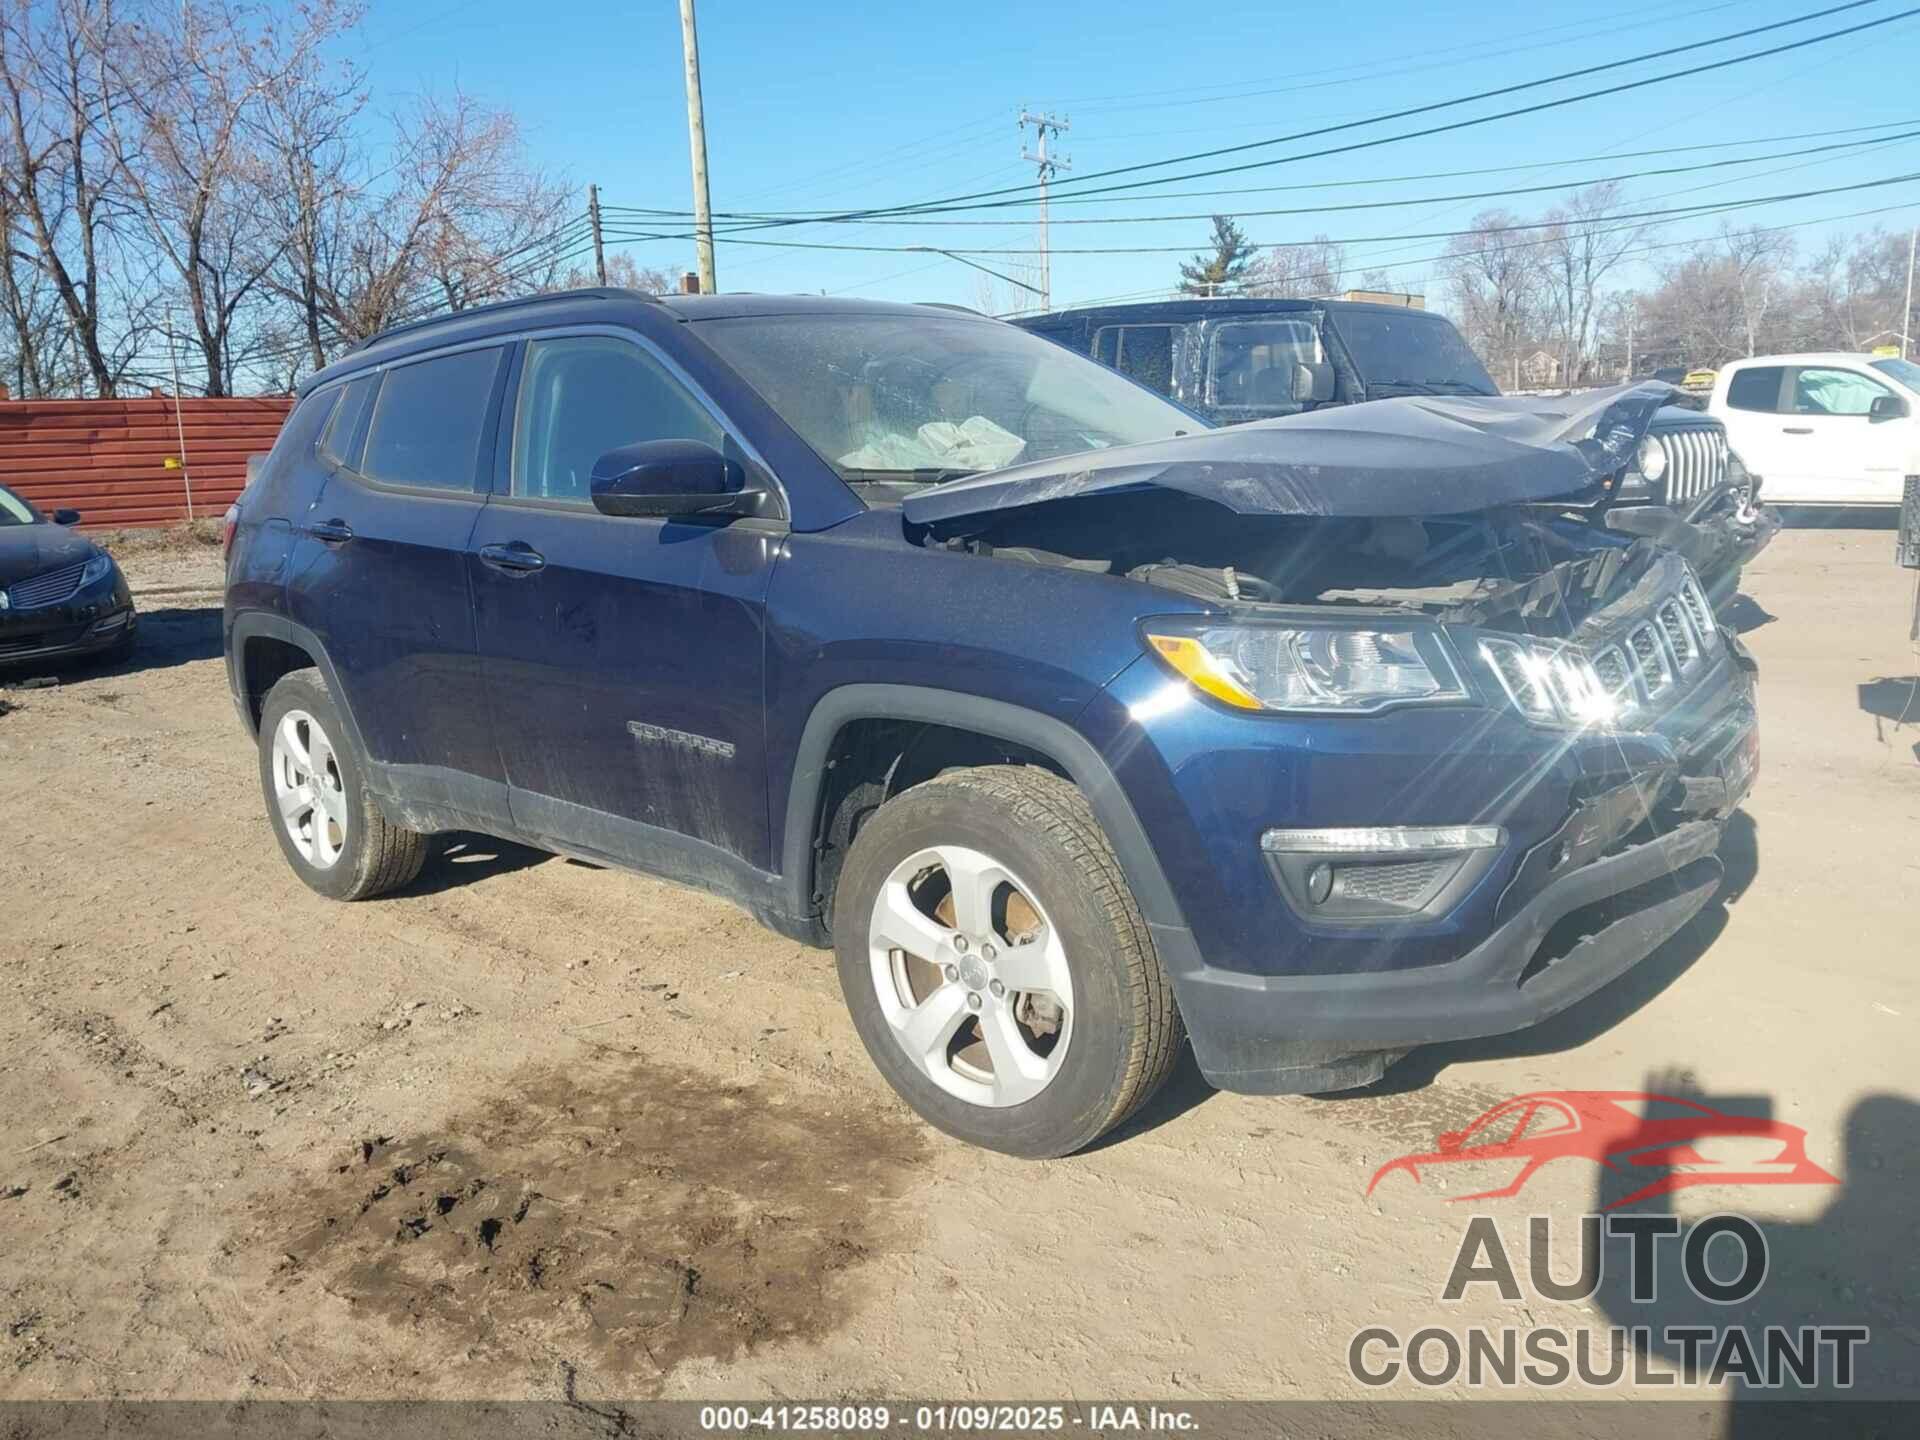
(42, 640)
(1696, 461)
(48, 589)
(1624, 678)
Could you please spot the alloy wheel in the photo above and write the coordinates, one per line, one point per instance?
(971, 976)
(309, 790)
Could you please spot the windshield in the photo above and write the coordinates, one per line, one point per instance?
(913, 397)
(1413, 353)
(14, 510)
(1905, 371)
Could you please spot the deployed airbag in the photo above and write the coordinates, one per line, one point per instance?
(1420, 455)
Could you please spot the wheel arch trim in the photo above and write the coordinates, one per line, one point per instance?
(1055, 739)
(262, 625)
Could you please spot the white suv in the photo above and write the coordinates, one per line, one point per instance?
(1828, 429)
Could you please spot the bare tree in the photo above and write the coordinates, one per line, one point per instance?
(1583, 245)
(1497, 282)
(1760, 261)
(465, 219)
(623, 271)
(305, 133)
(1315, 267)
(59, 101)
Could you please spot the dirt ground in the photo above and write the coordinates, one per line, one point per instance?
(533, 1128)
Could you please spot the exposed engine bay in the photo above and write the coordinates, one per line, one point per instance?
(1491, 511)
(1518, 568)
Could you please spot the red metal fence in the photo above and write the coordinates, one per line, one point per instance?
(121, 462)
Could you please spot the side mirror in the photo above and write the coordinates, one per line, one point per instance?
(665, 478)
(66, 517)
(1449, 1141)
(1312, 382)
(1888, 407)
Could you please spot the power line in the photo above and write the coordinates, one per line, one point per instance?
(1533, 165)
(959, 201)
(1357, 240)
(1857, 146)
(1369, 70)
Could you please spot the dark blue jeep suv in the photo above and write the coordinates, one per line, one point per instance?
(1074, 725)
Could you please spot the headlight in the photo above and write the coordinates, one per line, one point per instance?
(96, 569)
(1652, 458)
(1314, 668)
(1743, 480)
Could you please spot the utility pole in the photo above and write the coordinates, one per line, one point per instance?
(593, 218)
(697, 139)
(1906, 316)
(1046, 165)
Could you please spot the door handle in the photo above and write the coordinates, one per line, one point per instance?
(334, 532)
(516, 556)
(1796, 429)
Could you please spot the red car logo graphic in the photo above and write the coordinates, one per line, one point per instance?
(1679, 1142)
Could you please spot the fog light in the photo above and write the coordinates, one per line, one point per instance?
(1374, 873)
(110, 623)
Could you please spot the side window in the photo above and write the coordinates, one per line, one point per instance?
(343, 429)
(1834, 392)
(1140, 352)
(429, 421)
(1756, 388)
(1252, 363)
(584, 395)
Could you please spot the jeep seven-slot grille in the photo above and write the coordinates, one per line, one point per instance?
(1624, 679)
(48, 589)
(1696, 461)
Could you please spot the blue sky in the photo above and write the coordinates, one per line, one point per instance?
(846, 106)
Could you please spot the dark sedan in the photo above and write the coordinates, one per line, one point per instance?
(60, 594)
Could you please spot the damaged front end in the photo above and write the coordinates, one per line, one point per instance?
(1541, 726)
(1401, 498)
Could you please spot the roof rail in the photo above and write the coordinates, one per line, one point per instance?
(948, 305)
(596, 292)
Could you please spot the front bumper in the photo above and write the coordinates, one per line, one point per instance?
(64, 632)
(1278, 1034)
(1607, 847)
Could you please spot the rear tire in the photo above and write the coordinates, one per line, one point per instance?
(328, 825)
(1024, 1009)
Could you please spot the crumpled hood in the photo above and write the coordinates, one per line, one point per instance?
(1420, 455)
(34, 549)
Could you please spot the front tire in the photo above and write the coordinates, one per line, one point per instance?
(328, 825)
(996, 965)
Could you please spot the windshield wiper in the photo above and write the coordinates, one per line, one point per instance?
(863, 476)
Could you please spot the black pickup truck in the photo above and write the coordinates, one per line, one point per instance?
(1236, 360)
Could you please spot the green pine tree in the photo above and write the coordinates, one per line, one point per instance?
(1225, 271)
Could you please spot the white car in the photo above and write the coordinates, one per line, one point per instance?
(1826, 429)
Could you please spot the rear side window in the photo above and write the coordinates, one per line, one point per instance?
(585, 395)
(429, 421)
(343, 430)
(1756, 388)
(1146, 353)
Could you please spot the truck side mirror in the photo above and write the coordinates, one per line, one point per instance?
(1888, 407)
(1312, 382)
